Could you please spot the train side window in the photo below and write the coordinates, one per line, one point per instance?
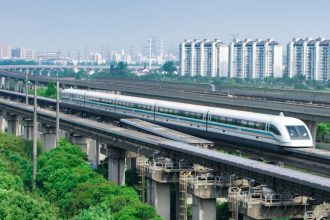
(229, 121)
(274, 130)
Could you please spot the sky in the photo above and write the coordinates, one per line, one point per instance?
(71, 25)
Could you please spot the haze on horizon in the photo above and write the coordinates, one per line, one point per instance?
(75, 25)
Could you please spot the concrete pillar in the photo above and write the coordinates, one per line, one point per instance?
(161, 198)
(27, 128)
(80, 141)
(131, 160)
(48, 137)
(91, 150)
(116, 165)
(2, 121)
(149, 191)
(312, 126)
(13, 124)
(97, 153)
(2, 83)
(203, 209)
(131, 163)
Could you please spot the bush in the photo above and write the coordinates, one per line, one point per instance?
(14, 205)
(10, 182)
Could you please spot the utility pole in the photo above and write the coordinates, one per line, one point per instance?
(57, 113)
(26, 88)
(34, 177)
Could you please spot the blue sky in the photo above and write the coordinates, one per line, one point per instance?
(77, 24)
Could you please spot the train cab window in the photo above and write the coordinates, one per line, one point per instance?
(292, 131)
(303, 131)
(274, 130)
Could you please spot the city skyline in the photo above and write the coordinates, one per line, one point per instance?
(75, 26)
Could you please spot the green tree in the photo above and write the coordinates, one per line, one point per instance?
(99, 212)
(169, 67)
(51, 90)
(223, 212)
(323, 130)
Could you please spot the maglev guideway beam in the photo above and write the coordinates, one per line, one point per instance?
(274, 176)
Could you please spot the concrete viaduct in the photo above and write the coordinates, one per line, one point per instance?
(217, 174)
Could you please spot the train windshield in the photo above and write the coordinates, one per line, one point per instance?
(298, 132)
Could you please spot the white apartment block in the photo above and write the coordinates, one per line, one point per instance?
(203, 58)
(255, 59)
(309, 57)
(5, 52)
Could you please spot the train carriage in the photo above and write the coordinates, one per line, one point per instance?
(233, 125)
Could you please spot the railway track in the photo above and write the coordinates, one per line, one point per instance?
(106, 85)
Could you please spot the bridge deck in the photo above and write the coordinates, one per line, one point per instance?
(311, 152)
(167, 133)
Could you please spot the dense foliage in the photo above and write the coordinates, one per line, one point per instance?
(48, 92)
(323, 132)
(16, 169)
(67, 187)
(68, 181)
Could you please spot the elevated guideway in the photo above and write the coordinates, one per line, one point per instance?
(167, 133)
(295, 157)
(274, 176)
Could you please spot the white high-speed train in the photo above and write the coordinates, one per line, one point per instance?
(253, 129)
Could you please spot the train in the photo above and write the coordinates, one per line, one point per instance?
(240, 127)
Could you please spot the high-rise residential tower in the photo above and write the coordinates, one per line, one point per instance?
(255, 59)
(309, 57)
(203, 58)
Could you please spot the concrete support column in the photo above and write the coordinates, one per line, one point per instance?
(161, 198)
(2, 82)
(48, 137)
(203, 209)
(80, 141)
(27, 128)
(2, 121)
(131, 160)
(116, 165)
(312, 126)
(13, 124)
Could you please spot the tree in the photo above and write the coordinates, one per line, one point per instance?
(169, 67)
(99, 212)
(51, 90)
(323, 130)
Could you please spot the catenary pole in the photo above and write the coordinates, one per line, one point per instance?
(35, 129)
(57, 113)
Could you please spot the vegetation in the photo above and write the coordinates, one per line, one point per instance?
(169, 67)
(323, 132)
(48, 92)
(67, 187)
(223, 212)
(17, 62)
(16, 202)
